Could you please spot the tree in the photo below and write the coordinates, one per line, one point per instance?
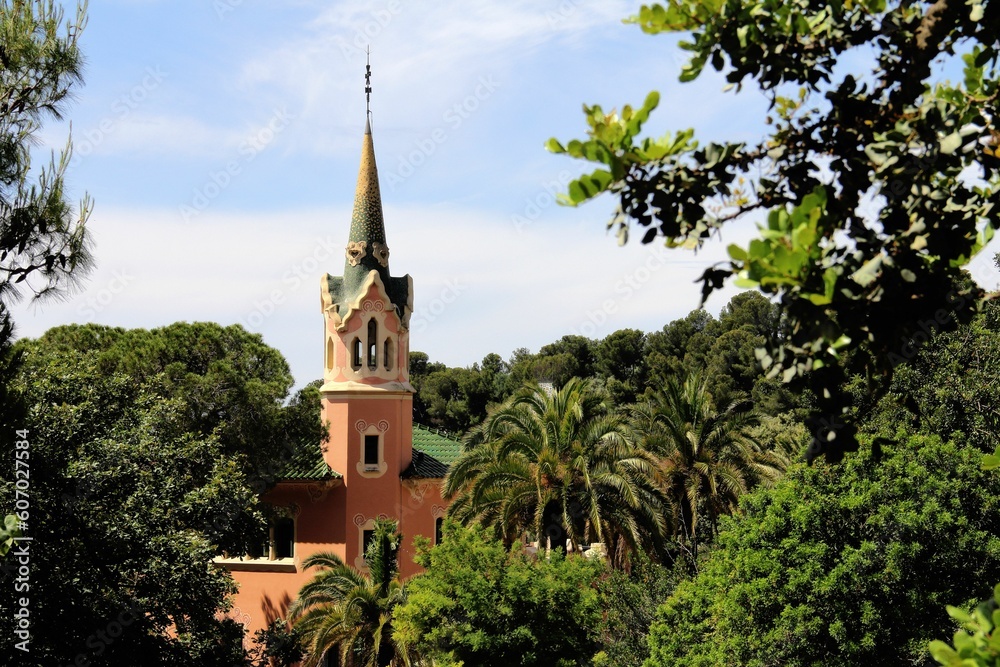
(745, 324)
(949, 385)
(680, 347)
(842, 565)
(495, 374)
(444, 395)
(9, 532)
(570, 356)
(621, 361)
(148, 450)
(43, 240)
(349, 613)
(862, 176)
(559, 465)
(629, 601)
(479, 603)
(456, 399)
(706, 458)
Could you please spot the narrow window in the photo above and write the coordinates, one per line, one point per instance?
(371, 450)
(387, 355)
(366, 539)
(284, 538)
(438, 525)
(372, 334)
(329, 353)
(260, 547)
(356, 360)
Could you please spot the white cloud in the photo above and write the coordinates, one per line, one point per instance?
(480, 285)
(155, 134)
(424, 58)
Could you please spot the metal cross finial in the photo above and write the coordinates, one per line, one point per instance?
(368, 80)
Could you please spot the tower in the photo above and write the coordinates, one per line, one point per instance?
(376, 463)
(366, 394)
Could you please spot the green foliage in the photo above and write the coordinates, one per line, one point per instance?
(43, 242)
(992, 461)
(456, 399)
(230, 384)
(627, 363)
(148, 450)
(347, 613)
(277, 645)
(629, 601)
(479, 603)
(620, 358)
(569, 357)
(841, 565)
(723, 351)
(857, 115)
(976, 645)
(560, 466)
(8, 532)
(705, 456)
(949, 385)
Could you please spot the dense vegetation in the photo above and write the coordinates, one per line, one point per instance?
(626, 364)
(743, 553)
(670, 458)
(842, 566)
(148, 451)
(481, 603)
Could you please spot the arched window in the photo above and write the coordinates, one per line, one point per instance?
(329, 353)
(387, 354)
(372, 337)
(356, 354)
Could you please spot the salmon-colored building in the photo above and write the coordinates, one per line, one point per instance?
(377, 463)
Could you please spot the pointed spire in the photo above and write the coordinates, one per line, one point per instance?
(366, 247)
(367, 255)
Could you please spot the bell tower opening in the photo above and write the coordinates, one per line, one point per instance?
(372, 337)
(356, 354)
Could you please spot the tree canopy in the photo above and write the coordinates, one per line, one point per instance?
(842, 565)
(479, 603)
(561, 467)
(148, 450)
(875, 183)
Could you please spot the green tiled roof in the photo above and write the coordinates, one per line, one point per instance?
(433, 453)
(308, 465)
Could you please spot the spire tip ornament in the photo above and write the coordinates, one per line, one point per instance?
(368, 81)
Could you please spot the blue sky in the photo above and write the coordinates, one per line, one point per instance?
(220, 140)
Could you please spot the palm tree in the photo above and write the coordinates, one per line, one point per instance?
(707, 459)
(350, 612)
(560, 465)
